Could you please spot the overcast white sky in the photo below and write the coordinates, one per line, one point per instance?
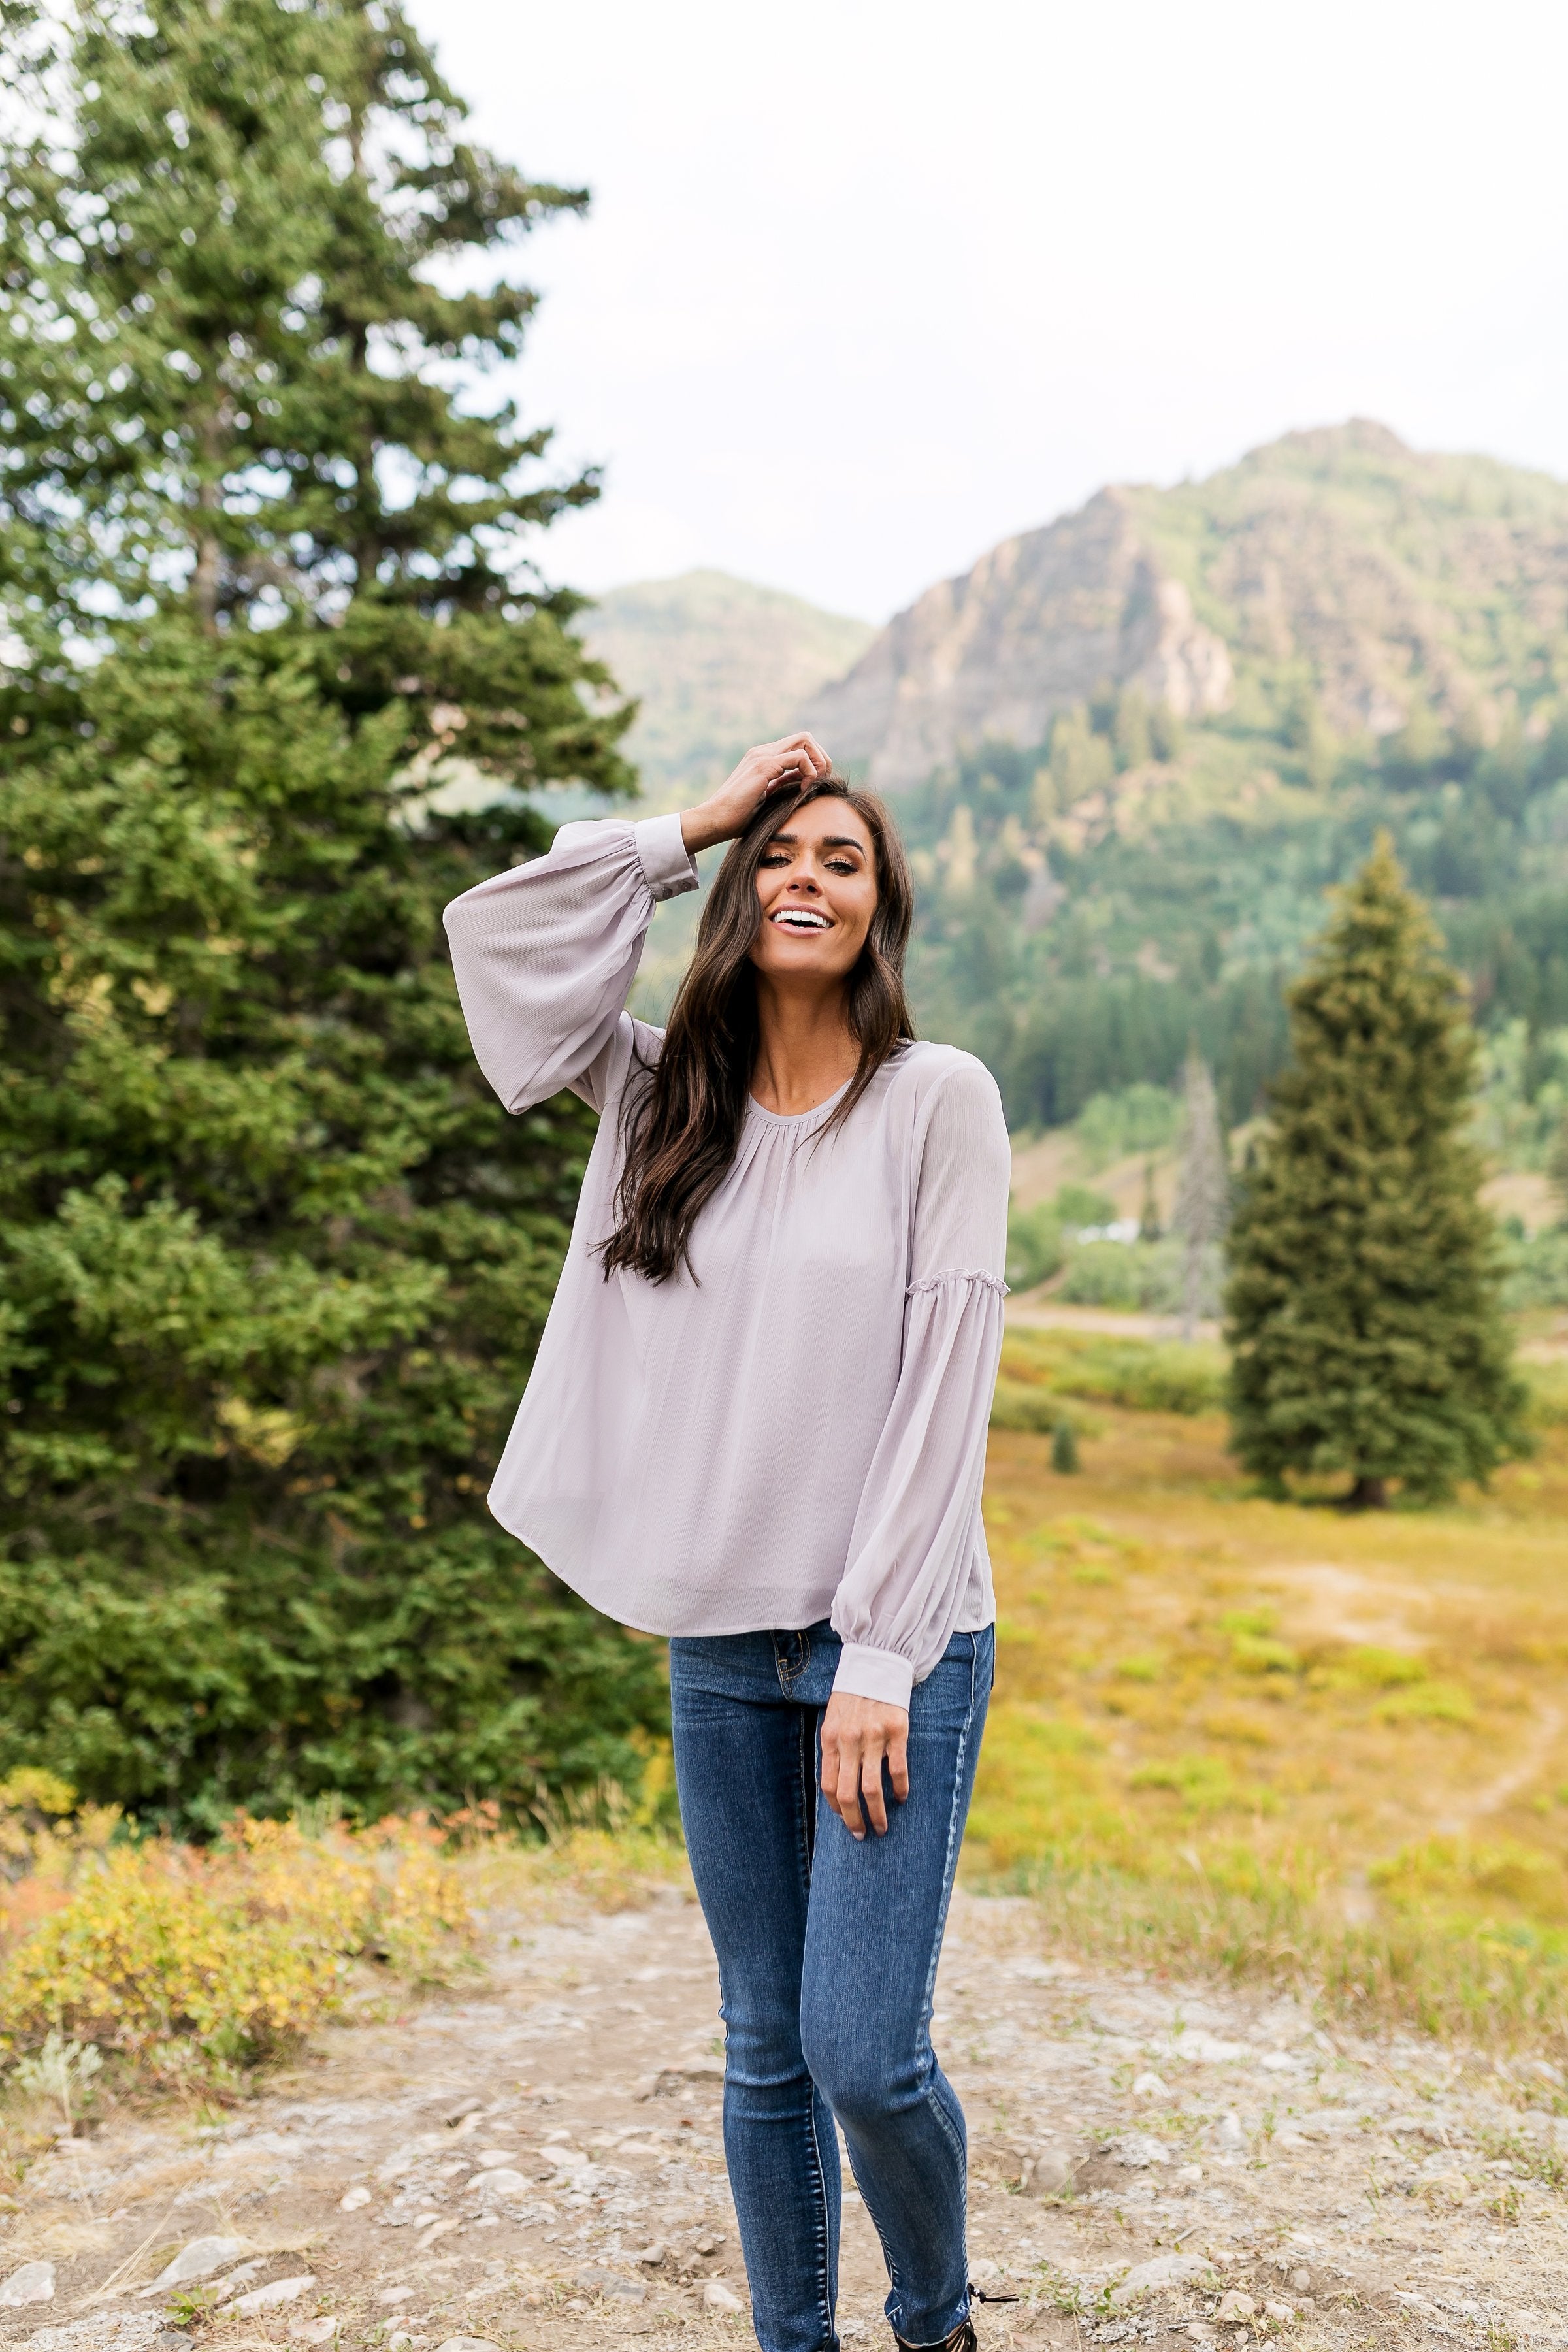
(868, 284)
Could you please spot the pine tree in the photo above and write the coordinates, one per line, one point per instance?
(273, 1261)
(1149, 1226)
(1362, 1303)
(1203, 1193)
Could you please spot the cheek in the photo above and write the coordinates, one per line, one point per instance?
(858, 919)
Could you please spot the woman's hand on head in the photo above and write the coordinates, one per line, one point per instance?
(795, 759)
(858, 1734)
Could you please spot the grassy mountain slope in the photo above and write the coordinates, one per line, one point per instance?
(716, 665)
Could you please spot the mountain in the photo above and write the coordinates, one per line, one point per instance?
(1395, 626)
(1035, 627)
(1132, 749)
(716, 665)
(1336, 567)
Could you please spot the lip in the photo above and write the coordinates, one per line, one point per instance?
(810, 921)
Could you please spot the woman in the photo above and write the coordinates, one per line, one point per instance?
(757, 1424)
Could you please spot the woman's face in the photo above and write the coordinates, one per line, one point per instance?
(818, 885)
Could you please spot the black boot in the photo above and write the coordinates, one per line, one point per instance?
(961, 2340)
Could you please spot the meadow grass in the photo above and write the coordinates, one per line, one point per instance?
(1270, 1738)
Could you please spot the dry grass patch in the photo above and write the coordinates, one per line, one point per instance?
(1271, 1737)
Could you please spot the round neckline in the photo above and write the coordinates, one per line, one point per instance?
(795, 1118)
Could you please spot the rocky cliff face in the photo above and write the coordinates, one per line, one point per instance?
(1035, 627)
(1336, 564)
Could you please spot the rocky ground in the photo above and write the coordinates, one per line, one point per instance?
(537, 2163)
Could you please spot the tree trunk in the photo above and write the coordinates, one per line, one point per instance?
(1368, 1493)
(206, 580)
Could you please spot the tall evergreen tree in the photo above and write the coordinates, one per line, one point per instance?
(1363, 1302)
(272, 1262)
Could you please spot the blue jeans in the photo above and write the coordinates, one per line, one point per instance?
(827, 1953)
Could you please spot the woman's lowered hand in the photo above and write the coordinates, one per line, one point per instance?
(793, 759)
(858, 1736)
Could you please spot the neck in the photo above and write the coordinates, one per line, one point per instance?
(805, 1048)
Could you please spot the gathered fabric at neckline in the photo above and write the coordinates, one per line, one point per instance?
(798, 1117)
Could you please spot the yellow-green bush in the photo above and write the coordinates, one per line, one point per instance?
(1152, 1376)
(187, 1960)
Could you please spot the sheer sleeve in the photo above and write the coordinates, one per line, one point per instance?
(915, 1531)
(545, 955)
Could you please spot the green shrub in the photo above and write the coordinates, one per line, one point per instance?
(1142, 1276)
(1034, 1247)
(1038, 1368)
(1537, 1270)
(1077, 1206)
(1139, 1118)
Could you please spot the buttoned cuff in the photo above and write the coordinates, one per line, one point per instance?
(667, 863)
(874, 1674)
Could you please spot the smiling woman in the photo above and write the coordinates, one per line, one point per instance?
(757, 1423)
(796, 992)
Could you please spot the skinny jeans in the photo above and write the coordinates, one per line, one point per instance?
(828, 1951)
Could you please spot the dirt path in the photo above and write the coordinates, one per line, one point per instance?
(1036, 1310)
(537, 2164)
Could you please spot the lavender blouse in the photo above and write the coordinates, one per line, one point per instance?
(799, 1433)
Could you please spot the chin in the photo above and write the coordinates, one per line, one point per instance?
(794, 955)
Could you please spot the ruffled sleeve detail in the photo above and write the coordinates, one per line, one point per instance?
(959, 1274)
(918, 1525)
(545, 955)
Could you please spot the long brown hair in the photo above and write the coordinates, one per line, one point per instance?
(682, 1127)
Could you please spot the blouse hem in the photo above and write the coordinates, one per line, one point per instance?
(792, 1620)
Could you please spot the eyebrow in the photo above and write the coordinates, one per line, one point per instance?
(829, 841)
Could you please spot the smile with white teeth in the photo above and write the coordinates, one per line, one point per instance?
(798, 919)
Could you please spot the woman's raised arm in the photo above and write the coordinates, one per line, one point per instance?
(546, 954)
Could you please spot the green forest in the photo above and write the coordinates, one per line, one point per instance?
(273, 1263)
(1186, 930)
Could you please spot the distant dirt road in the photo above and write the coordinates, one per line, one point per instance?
(1038, 1308)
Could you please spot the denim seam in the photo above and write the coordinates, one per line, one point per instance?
(943, 2119)
(788, 1675)
(889, 2264)
(805, 1795)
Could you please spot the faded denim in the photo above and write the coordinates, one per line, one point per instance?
(827, 1953)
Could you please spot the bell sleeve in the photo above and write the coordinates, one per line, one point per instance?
(917, 1526)
(545, 955)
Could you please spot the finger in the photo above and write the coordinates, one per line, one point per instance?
(848, 1807)
(871, 1785)
(802, 756)
(898, 1768)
